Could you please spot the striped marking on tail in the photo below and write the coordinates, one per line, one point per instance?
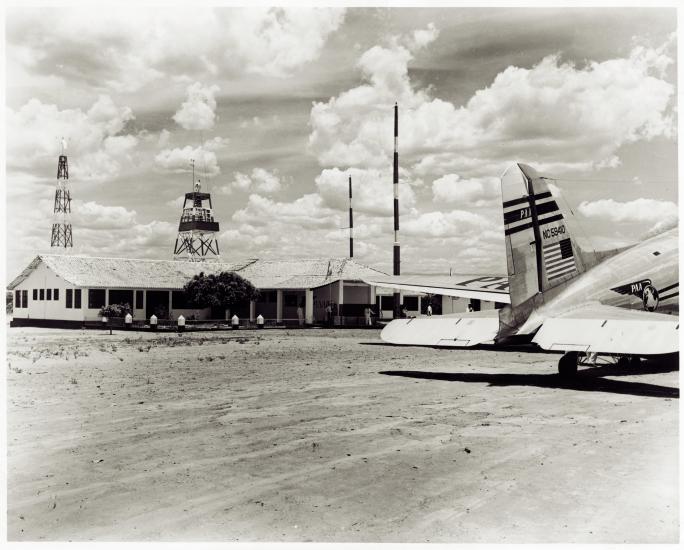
(518, 213)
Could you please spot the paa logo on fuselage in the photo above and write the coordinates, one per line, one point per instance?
(644, 290)
(650, 298)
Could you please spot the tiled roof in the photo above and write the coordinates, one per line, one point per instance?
(89, 272)
(304, 273)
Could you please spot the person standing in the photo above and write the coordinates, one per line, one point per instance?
(429, 310)
(300, 315)
(367, 315)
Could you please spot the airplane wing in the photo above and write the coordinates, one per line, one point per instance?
(608, 329)
(458, 330)
(481, 287)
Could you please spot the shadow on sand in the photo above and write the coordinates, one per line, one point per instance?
(587, 379)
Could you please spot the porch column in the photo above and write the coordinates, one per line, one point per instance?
(279, 306)
(340, 295)
(252, 311)
(308, 307)
(170, 304)
(371, 295)
(419, 304)
(106, 296)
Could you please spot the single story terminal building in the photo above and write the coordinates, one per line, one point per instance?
(68, 290)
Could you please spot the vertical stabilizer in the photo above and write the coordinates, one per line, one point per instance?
(540, 251)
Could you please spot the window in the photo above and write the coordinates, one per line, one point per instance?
(17, 298)
(49, 294)
(411, 303)
(269, 297)
(42, 294)
(77, 298)
(179, 300)
(121, 297)
(96, 298)
(139, 299)
(35, 293)
(69, 298)
(55, 294)
(24, 298)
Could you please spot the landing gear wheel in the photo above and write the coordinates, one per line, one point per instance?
(623, 361)
(567, 366)
(627, 361)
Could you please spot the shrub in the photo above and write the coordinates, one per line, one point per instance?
(115, 310)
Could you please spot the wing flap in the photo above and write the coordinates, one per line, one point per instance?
(608, 329)
(451, 331)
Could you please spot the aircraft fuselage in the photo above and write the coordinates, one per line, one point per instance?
(643, 277)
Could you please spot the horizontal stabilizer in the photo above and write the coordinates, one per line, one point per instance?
(465, 330)
(606, 329)
(492, 288)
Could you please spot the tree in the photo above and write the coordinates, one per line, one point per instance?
(221, 290)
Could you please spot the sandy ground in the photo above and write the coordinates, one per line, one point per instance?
(324, 435)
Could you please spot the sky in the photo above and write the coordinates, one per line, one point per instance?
(278, 106)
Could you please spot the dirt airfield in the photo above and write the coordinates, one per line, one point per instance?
(324, 435)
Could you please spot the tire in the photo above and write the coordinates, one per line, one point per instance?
(624, 361)
(567, 366)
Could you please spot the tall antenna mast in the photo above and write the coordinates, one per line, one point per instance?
(351, 222)
(61, 222)
(395, 182)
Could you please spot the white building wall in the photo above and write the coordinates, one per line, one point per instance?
(43, 278)
(459, 305)
(355, 293)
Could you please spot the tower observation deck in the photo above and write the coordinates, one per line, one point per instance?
(197, 229)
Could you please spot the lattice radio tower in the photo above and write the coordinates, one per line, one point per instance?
(197, 229)
(61, 221)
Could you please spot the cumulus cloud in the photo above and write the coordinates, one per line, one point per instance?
(198, 111)
(277, 41)
(260, 180)
(92, 215)
(639, 210)
(455, 223)
(546, 114)
(146, 44)
(97, 145)
(177, 160)
(371, 188)
(420, 38)
(475, 191)
(307, 211)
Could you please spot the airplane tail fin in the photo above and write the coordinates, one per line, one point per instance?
(540, 251)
